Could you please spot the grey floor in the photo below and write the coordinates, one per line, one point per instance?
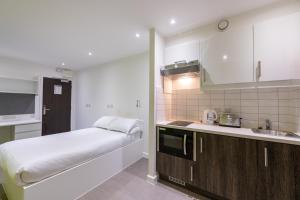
(131, 184)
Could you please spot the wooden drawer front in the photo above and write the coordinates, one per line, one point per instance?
(28, 127)
(173, 166)
(25, 135)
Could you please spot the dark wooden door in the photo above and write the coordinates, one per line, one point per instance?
(226, 166)
(173, 166)
(276, 171)
(56, 106)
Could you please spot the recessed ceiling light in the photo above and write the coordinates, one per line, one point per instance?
(90, 53)
(137, 35)
(63, 64)
(225, 57)
(172, 21)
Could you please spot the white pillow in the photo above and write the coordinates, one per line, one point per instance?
(124, 125)
(135, 130)
(104, 122)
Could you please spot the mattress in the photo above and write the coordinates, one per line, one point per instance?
(32, 160)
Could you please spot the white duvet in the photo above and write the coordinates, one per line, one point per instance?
(32, 160)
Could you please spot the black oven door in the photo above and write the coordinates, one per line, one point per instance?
(176, 142)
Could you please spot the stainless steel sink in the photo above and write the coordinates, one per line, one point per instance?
(275, 133)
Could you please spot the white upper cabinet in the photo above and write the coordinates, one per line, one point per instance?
(187, 51)
(277, 48)
(227, 57)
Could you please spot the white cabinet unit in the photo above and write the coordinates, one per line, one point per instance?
(27, 131)
(227, 57)
(9, 85)
(187, 51)
(277, 48)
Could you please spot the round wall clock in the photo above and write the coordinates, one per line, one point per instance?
(223, 25)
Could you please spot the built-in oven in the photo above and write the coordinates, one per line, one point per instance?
(176, 142)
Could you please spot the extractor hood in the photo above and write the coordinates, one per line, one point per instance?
(181, 67)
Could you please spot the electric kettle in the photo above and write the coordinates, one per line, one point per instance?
(209, 117)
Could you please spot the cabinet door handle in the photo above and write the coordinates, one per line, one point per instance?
(201, 145)
(204, 75)
(195, 146)
(266, 157)
(258, 71)
(157, 140)
(192, 173)
(184, 144)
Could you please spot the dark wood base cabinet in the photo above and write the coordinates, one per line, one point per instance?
(237, 169)
(276, 171)
(226, 166)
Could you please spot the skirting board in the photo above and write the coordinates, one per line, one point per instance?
(75, 182)
(145, 155)
(152, 179)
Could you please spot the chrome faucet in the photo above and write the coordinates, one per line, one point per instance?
(268, 124)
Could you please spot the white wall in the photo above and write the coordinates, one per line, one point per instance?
(119, 83)
(271, 11)
(26, 70)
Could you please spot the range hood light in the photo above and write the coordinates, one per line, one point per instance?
(181, 68)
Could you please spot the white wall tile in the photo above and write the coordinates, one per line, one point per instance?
(280, 105)
(268, 110)
(268, 103)
(249, 95)
(268, 95)
(264, 117)
(249, 103)
(249, 124)
(204, 97)
(204, 102)
(233, 102)
(249, 109)
(251, 117)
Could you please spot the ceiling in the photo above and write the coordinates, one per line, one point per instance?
(50, 32)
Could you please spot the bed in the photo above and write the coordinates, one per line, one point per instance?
(67, 165)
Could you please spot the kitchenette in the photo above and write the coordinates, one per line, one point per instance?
(229, 163)
(228, 110)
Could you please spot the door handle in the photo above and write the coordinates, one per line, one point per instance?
(258, 71)
(157, 140)
(195, 146)
(192, 173)
(184, 144)
(45, 109)
(266, 157)
(201, 145)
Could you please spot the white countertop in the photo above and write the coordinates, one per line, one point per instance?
(233, 132)
(18, 122)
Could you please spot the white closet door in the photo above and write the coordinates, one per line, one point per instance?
(187, 51)
(277, 47)
(227, 57)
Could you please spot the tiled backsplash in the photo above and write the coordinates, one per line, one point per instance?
(280, 105)
(163, 105)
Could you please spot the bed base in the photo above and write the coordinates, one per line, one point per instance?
(77, 181)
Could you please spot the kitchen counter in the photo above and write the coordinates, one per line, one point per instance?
(233, 132)
(18, 122)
